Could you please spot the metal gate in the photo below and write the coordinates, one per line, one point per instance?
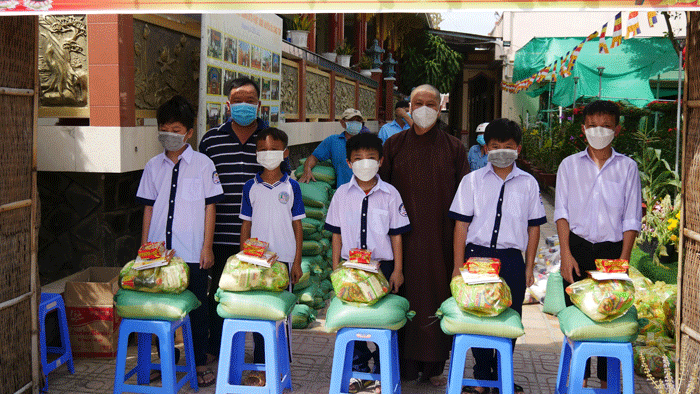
(19, 370)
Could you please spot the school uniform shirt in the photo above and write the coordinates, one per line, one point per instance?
(499, 211)
(271, 210)
(179, 193)
(600, 205)
(236, 163)
(366, 221)
(333, 148)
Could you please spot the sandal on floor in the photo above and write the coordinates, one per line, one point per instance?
(154, 376)
(517, 389)
(255, 378)
(202, 375)
(355, 385)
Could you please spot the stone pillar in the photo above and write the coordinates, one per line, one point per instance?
(111, 69)
(302, 90)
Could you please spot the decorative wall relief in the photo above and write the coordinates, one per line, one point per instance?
(318, 95)
(63, 63)
(367, 105)
(290, 91)
(166, 63)
(344, 97)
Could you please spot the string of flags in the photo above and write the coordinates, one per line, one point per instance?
(563, 67)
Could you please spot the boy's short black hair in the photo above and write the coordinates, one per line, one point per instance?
(401, 104)
(238, 82)
(367, 141)
(273, 132)
(177, 109)
(602, 107)
(502, 130)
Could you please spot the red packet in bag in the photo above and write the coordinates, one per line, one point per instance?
(362, 256)
(483, 265)
(254, 247)
(612, 265)
(152, 250)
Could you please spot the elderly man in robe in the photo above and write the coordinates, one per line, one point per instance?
(425, 164)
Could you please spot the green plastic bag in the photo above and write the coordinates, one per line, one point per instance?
(316, 213)
(579, 327)
(602, 300)
(326, 163)
(155, 306)
(241, 276)
(554, 301)
(309, 294)
(358, 286)
(302, 316)
(454, 320)
(255, 305)
(389, 313)
(487, 299)
(326, 244)
(310, 227)
(172, 278)
(311, 248)
(321, 173)
(315, 194)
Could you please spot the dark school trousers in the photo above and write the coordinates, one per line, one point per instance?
(216, 323)
(585, 253)
(199, 281)
(362, 354)
(513, 272)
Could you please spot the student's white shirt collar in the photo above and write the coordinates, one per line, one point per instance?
(513, 173)
(185, 155)
(381, 185)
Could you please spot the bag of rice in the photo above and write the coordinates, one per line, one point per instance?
(487, 299)
(302, 316)
(172, 278)
(603, 300)
(358, 286)
(454, 320)
(241, 276)
(155, 306)
(389, 313)
(255, 305)
(321, 173)
(315, 194)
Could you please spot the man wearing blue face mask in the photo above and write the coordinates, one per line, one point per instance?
(333, 148)
(231, 146)
(477, 154)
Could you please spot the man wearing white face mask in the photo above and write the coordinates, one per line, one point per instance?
(231, 146)
(498, 213)
(425, 164)
(333, 148)
(598, 205)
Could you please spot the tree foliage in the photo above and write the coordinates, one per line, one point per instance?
(428, 59)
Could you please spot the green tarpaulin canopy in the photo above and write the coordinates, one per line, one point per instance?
(628, 67)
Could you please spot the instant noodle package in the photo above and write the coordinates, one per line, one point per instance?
(254, 247)
(486, 299)
(483, 265)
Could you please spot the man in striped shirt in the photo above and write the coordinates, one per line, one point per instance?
(231, 146)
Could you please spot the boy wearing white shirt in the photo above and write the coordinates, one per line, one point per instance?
(598, 204)
(498, 212)
(368, 213)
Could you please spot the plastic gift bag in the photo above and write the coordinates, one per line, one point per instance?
(172, 278)
(358, 286)
(603, 300)
(487, 299)
(240, 276)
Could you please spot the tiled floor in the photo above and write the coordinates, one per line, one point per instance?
(536, 357)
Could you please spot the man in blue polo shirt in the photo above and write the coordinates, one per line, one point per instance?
(333, 147)
(402, 121)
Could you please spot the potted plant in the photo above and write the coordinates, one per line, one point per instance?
(344, 52)
(298, 35)
(364, 66)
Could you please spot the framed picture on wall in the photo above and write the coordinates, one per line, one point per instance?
(214, 48)
(213, 115)
(230, 49)
(213, 80)
(243, 53)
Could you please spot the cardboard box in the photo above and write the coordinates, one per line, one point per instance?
(93, 323)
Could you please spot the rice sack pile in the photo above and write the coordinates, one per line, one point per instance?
(606, 299)
(153, 286)
(479, 290)
(362, 298)
(656, 309)
(253, 283)
(314, 287)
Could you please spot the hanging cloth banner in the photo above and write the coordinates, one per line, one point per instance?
(617, 31)
(651, 16)
(602, 46)
(632, 25)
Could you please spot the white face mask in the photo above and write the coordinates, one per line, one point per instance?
(171, 141)
(270, 159)
(599, 137)
(424, 116)
(502, 158)
(365, 169)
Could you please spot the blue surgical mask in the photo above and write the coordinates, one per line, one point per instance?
(244, 113)
(353, 127)
(480, 140)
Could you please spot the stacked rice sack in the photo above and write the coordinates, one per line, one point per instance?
(313, 289)
(154, 285)
(656, 309)
(362, 297)
(252, 285)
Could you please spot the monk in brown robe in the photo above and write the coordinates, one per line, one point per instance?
(425, 164)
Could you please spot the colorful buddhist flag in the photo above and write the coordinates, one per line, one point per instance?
(617, 31)
(554, 71)
(651, 16)
(542, 74)
(633, 25)
(563, 60)
(591, 37)
(602, 46)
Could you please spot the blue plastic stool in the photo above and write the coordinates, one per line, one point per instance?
(461, 343)
(50, 302)
(232, 352)
(617, 353)
(387, 344)
(165, 330)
